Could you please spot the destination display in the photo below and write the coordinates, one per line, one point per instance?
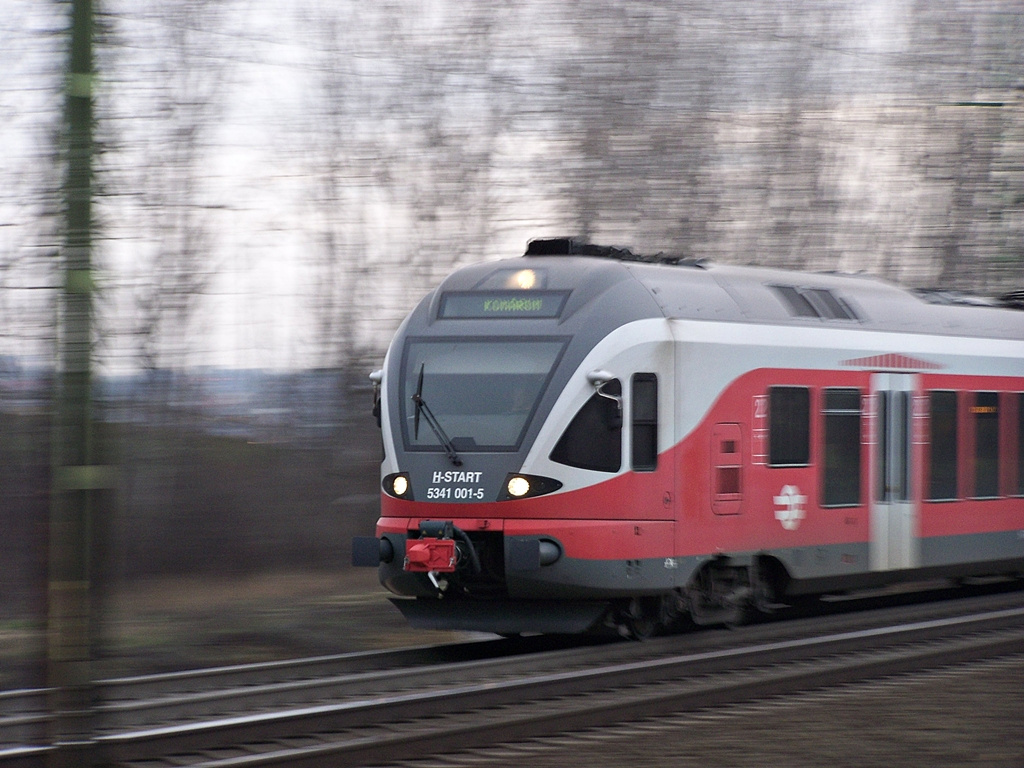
(477, 305)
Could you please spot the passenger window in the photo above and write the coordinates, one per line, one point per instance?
(842, 448)
(986, 444)
(645, 422)
(1020, 444)
(789, 422)
(942, 484)
(593, 439)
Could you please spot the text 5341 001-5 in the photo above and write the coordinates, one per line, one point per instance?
(457, 494)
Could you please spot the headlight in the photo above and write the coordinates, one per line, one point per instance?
(400, 485)
(397, 485)
(526, 486)
(518, 486)
(525, 279)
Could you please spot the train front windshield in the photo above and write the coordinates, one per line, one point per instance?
(478, 394)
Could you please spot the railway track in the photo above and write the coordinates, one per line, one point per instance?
(373, 708)
(146, 701)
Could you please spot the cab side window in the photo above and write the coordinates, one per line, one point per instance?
(1020, 445)
(645, 422)
(593, 439)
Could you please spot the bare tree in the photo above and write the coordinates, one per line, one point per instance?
(30, 113)
(169, 70)
(166, 126)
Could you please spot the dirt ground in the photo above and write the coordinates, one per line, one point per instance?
(972, 715)
(174, 624)
(962, 716)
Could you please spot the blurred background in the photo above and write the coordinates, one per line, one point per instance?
(275, 185)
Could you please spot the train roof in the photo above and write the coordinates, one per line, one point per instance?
(693, 289)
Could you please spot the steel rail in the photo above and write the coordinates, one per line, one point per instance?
(134, 703)
(167, 691)
(479, 714)
(230, 693)
(135, 700)
(457, 732)
(24, 720)
(329, 686)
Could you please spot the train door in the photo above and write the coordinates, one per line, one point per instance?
(894, 508)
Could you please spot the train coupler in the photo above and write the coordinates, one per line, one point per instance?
(430, 555)
(434, 550)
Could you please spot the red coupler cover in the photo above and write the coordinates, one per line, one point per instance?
(430, 555)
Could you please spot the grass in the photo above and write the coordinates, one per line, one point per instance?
(166, 624)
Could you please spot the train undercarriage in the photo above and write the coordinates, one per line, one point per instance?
(460, 580)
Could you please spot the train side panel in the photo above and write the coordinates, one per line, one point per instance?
(742, 503)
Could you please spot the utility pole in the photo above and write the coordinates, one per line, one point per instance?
(76, 478)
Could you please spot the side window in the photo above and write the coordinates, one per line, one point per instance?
(593, 439)
(645, 422)
(942, 468)
(841, 482)
(1020, 444)
(986, 444)
(789, 420)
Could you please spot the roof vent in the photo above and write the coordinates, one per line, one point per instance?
(814, 302)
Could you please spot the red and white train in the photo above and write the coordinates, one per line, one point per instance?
(585, 438)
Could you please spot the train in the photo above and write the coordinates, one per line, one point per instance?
(584, 439)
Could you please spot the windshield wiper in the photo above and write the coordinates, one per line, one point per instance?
(432, 422)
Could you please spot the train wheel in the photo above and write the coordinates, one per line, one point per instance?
(722, 595)
(641, 618)
(740, 614)
(705, 606)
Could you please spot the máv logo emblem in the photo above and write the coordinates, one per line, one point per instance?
(790, 507)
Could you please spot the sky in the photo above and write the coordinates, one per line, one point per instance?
(255, 67)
